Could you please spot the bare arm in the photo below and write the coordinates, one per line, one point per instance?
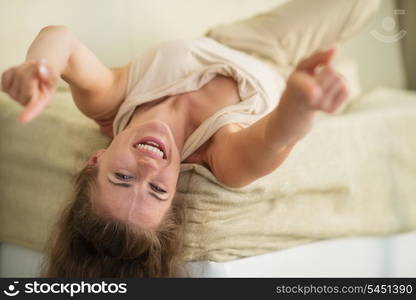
(96, 89)
(239, 157)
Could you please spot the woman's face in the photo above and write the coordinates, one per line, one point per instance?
(136, 182)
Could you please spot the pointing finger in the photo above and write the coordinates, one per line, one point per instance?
(310, 63)
(33, 108)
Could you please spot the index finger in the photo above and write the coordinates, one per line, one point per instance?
(309, 64)
(32, 110)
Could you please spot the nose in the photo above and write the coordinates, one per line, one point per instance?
(147, 166)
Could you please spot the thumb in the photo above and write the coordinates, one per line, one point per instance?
(320, 58)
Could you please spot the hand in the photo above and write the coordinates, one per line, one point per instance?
(315, 85)
(31, 84)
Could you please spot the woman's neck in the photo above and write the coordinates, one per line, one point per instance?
(172, 111)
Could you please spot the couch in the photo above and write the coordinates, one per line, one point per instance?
(117, 31)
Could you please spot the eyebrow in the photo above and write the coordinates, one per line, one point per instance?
(126, 185)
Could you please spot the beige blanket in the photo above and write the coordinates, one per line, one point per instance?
(353, 175)
(37, 165)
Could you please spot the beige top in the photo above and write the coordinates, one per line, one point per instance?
(186, 65)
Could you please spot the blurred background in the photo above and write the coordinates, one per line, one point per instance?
(119, 30)
(382, 55)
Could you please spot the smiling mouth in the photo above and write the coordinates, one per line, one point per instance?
(152, 146)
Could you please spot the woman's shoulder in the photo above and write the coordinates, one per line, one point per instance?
(206, 152)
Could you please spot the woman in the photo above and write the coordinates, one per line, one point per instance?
(197, 101)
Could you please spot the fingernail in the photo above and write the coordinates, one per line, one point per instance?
(43, 70)
(42, 66)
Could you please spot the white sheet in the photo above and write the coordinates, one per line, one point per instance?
(352, 257)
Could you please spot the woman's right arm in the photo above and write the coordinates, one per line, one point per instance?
(97, 90)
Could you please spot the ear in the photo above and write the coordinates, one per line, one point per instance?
(92, 161)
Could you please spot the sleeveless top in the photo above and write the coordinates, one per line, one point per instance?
(182, 66)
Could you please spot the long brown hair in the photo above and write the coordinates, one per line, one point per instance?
(86, 244)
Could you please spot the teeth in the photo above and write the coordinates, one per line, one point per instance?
(151, 148)
(153, 143)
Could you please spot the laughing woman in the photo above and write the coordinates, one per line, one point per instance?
(223, 101)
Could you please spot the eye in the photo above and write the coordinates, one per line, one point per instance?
(157, 188)
(122, 176)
